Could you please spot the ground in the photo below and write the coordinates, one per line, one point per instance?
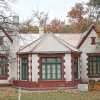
(12, 94)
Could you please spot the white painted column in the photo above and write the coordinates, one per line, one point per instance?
(84, 67)
(68, 69)
(30, 67)
(35, 70)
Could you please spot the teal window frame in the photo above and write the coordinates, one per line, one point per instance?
(24, 68)
(51, 68)
(94, 65)
(3, 66)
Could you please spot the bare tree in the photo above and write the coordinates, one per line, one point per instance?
(7, 16)
(94, 9)
(7, 23)
(41, 17)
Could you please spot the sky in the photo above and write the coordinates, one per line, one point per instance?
(55, 8)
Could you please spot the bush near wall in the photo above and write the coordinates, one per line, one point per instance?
(94, 85)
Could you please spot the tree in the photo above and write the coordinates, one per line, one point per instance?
(77, 13)
(38, 19)
(41, 18)
(77, 19)
(7, 16)
(27, 26)
(94, 10)
(56, 25)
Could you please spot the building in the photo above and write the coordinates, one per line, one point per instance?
(59, 60)
(8, 49)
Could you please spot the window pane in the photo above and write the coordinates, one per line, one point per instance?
(50, 68)
(53, 68)
(59, 76)
(43, 68)
(59, 68)
(3, 62)
(54, 76)
(24, 69)
(43, 76)
(51, 60)
(0, 70)
(94, 65)
(59, 71)
(49, 76)
(90, 68)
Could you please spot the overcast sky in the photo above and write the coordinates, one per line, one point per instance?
(55, 8)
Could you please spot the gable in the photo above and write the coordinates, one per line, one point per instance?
(91, 32)
(87, 45)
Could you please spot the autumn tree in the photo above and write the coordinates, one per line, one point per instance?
(55, 26)
(77, 13)
(77, 19)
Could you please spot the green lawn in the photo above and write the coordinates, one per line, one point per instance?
(54, 95)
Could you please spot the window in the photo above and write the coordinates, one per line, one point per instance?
(51, 68)
(24, 68)
(1, 40)
(94, 65)
(93, 40)
(3, 66)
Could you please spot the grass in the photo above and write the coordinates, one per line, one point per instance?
(12, 94)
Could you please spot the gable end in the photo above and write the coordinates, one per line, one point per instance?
(84, 38)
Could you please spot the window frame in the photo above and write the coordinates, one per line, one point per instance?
(50, 64)
(93, 61)
(21, 77)
(61, 56)
(93, 40)
(4, 64)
